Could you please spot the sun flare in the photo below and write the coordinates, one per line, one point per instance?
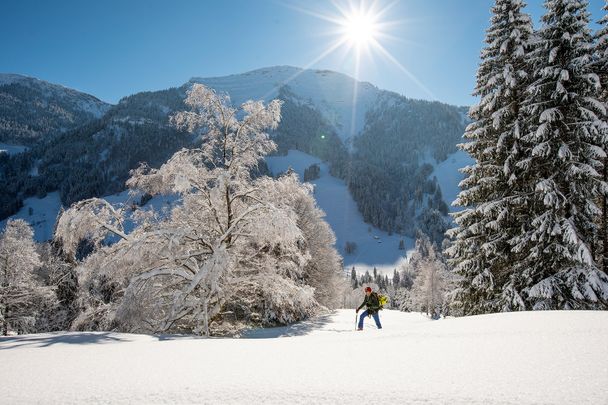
(360, 28)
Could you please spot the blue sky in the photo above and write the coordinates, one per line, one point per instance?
(115, 48)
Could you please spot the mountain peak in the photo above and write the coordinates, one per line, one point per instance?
(52, 108)
(343, 100)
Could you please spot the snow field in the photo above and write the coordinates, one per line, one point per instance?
(513, 358)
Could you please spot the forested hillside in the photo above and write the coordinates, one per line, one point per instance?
(31, 109)
(386, 163)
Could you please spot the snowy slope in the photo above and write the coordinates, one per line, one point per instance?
(332, 93)
(449, 176)
(43, 215)
(334, 198)
(45, 211)
(515, 358)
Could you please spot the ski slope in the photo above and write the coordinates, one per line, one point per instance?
(374, 247)
(513, 358)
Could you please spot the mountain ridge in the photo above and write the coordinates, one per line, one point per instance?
(317, 119)
(31, 108)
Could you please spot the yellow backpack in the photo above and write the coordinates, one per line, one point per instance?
(382, 300)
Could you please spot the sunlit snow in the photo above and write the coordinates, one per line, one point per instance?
(542, 357)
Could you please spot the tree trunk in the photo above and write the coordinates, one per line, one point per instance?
(5, 324)
(229, 214)
(604, 223)
(4, 300)
(206, 318)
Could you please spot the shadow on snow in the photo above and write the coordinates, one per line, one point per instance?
(78, 338)
(298, 329)
(84, 338)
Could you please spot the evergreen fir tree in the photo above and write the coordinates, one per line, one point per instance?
(556, 269)
(601, 69)
(481, 252)
(353, 278)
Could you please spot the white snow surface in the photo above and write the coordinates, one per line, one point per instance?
(545, 357)
(375, 248)
(44, 215)
(342, 100)
(449, 176)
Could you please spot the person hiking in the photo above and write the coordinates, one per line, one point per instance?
(372, 302)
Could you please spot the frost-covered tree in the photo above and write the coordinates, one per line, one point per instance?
(323, 270)
(354, 281)
(429, 290)
(481, 252)
(556, 268)
(601, 69)
(61, 276)
(396, 278)
(22, 296)
(234, 251)
(432, 281)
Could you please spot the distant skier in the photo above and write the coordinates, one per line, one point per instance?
(372, 302)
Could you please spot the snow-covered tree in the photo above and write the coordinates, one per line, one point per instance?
(396, 278)
(601, 69)
(432, 281)
(323, 270)
(491, 195)
(60, 275)
(555, 268)
(354, 281)
(234, 251)
(22, 296)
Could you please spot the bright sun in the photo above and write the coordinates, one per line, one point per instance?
(360, 28)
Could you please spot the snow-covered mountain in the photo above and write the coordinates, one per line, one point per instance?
(544, 357)
(387, 147)
(342, 100)
(382, 148)
(31, 108)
